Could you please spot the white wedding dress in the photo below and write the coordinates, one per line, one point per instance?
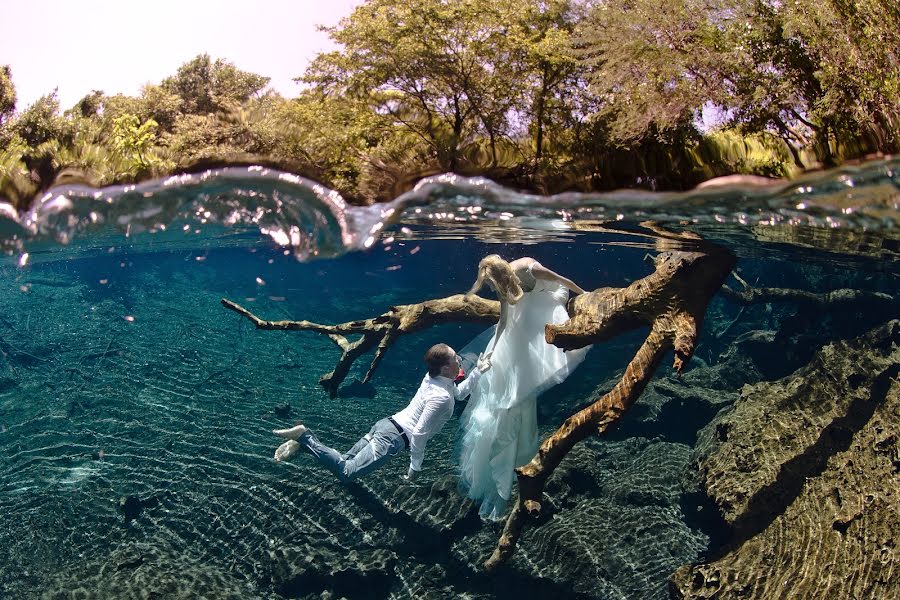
(500, 422)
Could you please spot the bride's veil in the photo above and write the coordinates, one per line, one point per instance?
(469, 354)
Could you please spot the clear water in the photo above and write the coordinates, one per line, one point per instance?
(122, 375)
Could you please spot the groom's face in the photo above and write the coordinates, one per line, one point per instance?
(452, 367)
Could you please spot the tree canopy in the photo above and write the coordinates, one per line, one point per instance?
(7, 93)
(550, 95)
(206, 87)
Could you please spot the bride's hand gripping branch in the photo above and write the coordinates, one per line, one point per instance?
(484, 362)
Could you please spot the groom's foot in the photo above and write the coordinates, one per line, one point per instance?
(291, 434)
(287, 450)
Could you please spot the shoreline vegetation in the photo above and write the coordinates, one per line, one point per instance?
(546, 96)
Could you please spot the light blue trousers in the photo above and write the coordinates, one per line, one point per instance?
(375, 448)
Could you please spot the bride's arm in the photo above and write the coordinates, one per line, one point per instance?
(542, 272)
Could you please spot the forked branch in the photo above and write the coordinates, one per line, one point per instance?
(382, 331)
(672, 301)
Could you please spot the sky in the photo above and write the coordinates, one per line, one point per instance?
(118, 46)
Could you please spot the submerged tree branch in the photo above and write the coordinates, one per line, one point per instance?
(672, 301)
(753, 295)
(381, 331)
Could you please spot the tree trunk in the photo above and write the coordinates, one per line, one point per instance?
(539, 117)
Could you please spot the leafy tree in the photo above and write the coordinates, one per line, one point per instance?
(437, 68)
(15, 183)
(7, 94)
(545, 63)
(162, 106)
(133, 138)
(154, 103)
(335, 134)
(206, 87)
(90, 105)
(40, 122)
(654, 65)
(774, 82)
(810, 71)
(135, 141)
(827, 68)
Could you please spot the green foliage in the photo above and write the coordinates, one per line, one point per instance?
(40, 122)
(244, 130)
(154, 103)
(541, 39)
(133, 140)
(89, 106)
(130, 136)
(843, 57)
(206, 87)
(727, 151)
(820, 74)
(15, 184)
(7, 94)
(653, 65)
(335, 134)
(440, 70)
(546, 94)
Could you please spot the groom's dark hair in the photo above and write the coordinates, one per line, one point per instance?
(436, 357)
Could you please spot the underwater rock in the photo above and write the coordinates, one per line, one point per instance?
(282, 410)
(611, 526)
(676, 409)
(146, 570)
(439, 509)
(357, 389)
(351, 573)
(806, 471)
(131, 507)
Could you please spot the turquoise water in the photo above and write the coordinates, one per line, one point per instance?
(121, 375)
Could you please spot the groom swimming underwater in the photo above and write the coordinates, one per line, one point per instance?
(411, 428)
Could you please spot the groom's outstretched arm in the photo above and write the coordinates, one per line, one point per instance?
(465, 388)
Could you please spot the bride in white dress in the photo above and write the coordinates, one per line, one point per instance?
(500, 422)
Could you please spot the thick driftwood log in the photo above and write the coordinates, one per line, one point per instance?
(672, 301)
(383, 330)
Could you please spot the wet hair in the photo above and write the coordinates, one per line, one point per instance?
(501, 275)
(437, 357)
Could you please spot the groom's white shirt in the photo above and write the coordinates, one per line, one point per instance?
(430, 408)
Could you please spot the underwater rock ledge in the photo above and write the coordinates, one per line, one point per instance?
(807, 472)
